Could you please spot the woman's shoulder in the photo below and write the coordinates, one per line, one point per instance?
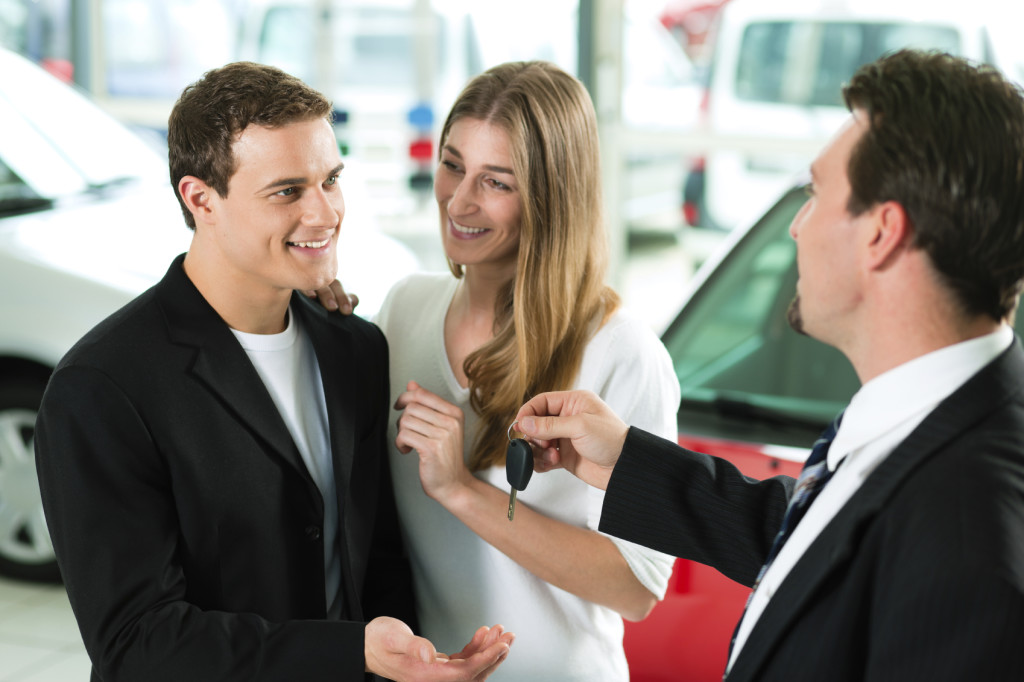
(626, 328)
(627, 344)
(423, 283)
(418, 291)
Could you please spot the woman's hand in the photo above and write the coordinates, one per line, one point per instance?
(333, 297)
(434, 428)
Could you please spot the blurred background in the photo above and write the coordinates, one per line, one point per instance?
(709, 111)
(708, 107)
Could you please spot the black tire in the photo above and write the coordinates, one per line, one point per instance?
(25, 549)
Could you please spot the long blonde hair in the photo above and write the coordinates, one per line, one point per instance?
(547, 313)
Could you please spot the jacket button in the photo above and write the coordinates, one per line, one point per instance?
(312, 533)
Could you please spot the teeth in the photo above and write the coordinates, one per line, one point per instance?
(467, 230)
(311, 245)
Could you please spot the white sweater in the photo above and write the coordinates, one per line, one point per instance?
(461, 581)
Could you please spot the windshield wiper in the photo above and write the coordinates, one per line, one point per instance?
(11, 206)
(741, 406)
(106, 185)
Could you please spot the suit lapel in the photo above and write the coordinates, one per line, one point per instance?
(222, 366)
(334, 354)
(994, 385)
(333, 351)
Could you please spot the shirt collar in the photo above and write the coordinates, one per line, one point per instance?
(913, 388)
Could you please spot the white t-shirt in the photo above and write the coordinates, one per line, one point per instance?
(288, 366)
(463, 582)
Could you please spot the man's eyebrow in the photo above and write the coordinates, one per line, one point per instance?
(282, 182)
(288, 182)
(496, 169)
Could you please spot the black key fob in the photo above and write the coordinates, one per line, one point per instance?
(518, 463)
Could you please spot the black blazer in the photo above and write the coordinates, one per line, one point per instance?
(920, 576)
(186, 526)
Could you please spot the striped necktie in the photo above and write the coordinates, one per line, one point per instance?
(812, 479)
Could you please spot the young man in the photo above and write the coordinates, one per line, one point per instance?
(212, 456)
(909, 564)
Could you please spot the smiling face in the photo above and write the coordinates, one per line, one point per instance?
(478, 197)
(277, 228)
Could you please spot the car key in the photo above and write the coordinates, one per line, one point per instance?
(518, 469)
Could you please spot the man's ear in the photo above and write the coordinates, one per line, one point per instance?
(892, 234)
(196, 194)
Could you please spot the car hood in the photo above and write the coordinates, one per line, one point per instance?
(124, 241)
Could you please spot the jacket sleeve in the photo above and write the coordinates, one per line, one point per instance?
(115, 529)
(693, 506)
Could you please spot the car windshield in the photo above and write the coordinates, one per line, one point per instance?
(799, 63)
(733, 350)
(57, 143)
(732, 347)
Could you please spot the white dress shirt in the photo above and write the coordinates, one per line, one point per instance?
(879, 417)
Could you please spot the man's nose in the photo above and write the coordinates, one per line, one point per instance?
(321, 209)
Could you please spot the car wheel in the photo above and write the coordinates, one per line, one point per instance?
(25, 548)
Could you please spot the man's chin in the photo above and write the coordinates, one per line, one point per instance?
(321, 278)
(793, 316)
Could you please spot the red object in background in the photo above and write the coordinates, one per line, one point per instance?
(687, 635)
(421, 150)
(61, 68)
(691, 21)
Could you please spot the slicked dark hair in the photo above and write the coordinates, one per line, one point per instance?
(212, 112)
(945, 140)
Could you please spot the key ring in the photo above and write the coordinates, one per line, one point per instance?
(509, 432)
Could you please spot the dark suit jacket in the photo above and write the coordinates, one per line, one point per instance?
(920, 576)
(186, 526)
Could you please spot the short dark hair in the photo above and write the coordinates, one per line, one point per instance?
(211, 113)
(945, 140)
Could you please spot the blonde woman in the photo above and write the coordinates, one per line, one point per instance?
(524, 310)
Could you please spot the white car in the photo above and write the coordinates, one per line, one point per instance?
(774, 89)
(88, 220)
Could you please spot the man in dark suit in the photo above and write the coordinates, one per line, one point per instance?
(212, 456)
(909, 563)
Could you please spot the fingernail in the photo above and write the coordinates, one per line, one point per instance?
(529, 423)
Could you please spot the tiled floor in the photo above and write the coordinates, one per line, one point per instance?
(39, 640)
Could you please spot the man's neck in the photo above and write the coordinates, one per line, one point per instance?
(243, 308)
(886, 352)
